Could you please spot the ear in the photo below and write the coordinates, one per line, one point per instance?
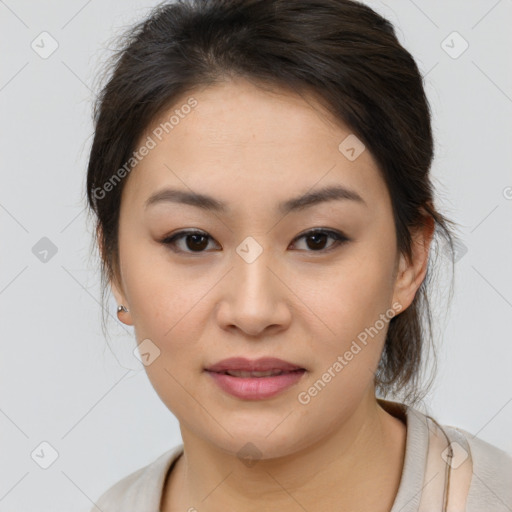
(115, 284)
(124, 316)
(412, 273)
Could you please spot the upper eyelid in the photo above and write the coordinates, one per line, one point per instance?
(186, 232)
(336, 235)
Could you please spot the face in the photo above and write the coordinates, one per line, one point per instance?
(252, 280)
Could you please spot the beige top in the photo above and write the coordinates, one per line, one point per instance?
(446, 469)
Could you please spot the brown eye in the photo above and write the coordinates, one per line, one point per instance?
(317, 239)
(195, 241)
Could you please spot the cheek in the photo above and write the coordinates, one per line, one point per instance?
(165, 308)
(355, 306)
(354, 310)
(353, 296)
(163, 297)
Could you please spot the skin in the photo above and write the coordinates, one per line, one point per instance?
(252, 148)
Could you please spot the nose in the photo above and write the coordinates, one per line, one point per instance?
(255, 298)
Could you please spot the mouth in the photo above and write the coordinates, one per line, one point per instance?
(262, 367)
(256, 379)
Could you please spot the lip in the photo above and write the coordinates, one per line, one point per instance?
(256, 388)
(255, 365)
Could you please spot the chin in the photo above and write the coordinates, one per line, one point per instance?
(264, 443)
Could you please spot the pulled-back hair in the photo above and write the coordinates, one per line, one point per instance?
(340, 51)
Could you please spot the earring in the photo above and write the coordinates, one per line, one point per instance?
(120, 309)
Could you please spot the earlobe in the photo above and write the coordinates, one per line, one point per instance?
(123, 311)
(123, 315)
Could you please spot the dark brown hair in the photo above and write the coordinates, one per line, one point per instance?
(340, 51)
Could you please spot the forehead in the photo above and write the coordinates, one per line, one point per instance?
(244, 139)
(238, 113)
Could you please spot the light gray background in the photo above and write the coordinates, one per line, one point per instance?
(60, 381)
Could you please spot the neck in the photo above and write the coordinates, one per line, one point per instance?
(358, 466)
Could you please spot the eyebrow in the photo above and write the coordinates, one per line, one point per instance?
(208, 203)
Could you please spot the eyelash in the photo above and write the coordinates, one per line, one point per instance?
(338, 237)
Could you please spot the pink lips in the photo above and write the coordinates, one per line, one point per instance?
(255, 388)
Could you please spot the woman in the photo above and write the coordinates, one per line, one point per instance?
(265, 216)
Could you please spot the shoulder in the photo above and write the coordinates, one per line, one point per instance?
(491, 480)
(114, 495)
(140, 490)
(447, 465)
